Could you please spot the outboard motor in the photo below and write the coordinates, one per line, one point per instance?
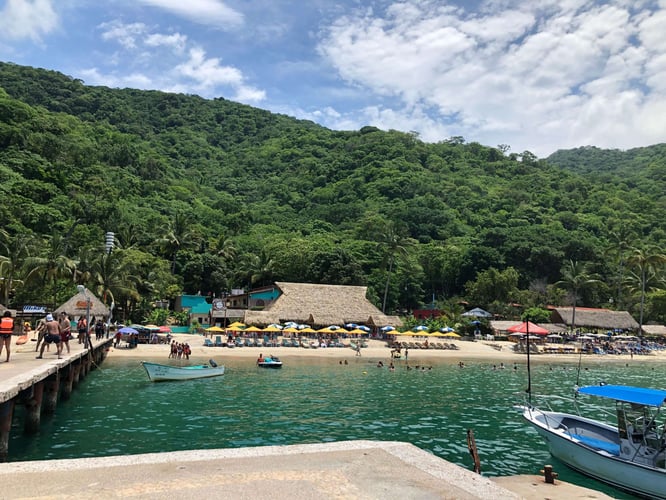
(212, 363)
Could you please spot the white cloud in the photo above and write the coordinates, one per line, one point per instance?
(125, 34)
(208, 12)
(20, 19)
(167, 62)
(176, 41)
(535, 75)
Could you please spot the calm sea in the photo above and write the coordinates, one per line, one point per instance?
(116, 410)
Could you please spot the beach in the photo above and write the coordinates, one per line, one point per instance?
(490, 352)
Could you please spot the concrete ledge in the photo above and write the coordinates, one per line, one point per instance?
(350, 469)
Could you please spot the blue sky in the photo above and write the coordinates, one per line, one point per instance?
(537, 75)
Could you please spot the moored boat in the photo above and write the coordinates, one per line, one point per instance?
(269, 362)
(158, 373)
(629, 454)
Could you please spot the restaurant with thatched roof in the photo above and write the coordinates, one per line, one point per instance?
(321, 305)
(76, 307)
(595, 318)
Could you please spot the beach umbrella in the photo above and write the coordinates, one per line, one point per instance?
(351, 325)
(215, 329)
(307, 329)
(420, 328)
(446, 329)
(290, 329)
(270, 329)
(252, 329)
(356, 331)
(236, 325)
(528, 326)
(452, 335)
(126, 330)
(164, 329)
(366, 329)
(387, 328)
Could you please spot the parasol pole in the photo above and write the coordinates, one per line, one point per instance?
(529, 373)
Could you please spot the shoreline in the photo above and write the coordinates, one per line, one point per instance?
(490, 352)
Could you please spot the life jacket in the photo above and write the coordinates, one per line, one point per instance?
(6, 326)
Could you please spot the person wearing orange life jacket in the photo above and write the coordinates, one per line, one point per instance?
(6, 330)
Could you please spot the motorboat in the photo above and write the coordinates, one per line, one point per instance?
(159, 373)
(269, 362)
(628, 451)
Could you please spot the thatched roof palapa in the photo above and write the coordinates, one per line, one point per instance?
(76, 306)
(595, 318)
(321, 305)
(654, 330)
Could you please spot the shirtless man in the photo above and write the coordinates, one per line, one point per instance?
(52, 335)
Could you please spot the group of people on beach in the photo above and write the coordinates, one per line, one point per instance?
(179, 350)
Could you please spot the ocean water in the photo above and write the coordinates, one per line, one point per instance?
(117, 411)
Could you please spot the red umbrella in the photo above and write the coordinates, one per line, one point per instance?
(528, 327)
(164, 329)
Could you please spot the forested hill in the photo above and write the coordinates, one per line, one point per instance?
(206, 195)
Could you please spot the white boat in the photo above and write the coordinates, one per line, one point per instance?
(159, 373)
(629, 454)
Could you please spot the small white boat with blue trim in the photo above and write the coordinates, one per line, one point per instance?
(629, 454)
(159, 373)
(269, 362)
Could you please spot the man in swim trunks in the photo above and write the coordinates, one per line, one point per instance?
(52, 335)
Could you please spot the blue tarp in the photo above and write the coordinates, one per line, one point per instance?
(627, 394)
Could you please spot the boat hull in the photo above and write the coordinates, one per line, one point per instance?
(161, 373)
(598, 464)
(270, 364)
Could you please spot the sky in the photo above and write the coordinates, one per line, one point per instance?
(534, 75)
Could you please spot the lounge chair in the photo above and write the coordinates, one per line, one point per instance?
(218, 341)
(208, 343)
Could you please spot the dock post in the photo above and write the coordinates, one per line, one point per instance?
(33, 408)
(68, 383)
(51, 390)
(6, 415)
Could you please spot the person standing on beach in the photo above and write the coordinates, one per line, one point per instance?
(6, 330)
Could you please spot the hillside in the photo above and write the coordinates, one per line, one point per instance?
(206, 195)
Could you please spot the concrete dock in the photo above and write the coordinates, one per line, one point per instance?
(342, 470)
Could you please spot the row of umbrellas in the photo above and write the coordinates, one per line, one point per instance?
(291, 328)
(134, 329)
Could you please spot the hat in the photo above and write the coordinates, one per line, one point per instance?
(49, 317)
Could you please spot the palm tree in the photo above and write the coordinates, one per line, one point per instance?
(393, 244)
(620, 245)
(645, 263)
(179, 235)
(15, 251)
(575, 277)
(52, 265)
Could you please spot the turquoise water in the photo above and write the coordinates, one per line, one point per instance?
(116, 410)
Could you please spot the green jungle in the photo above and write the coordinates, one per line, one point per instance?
(205, 196)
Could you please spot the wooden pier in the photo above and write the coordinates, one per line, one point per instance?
(38, 384)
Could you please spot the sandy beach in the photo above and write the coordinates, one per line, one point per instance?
(491, 352)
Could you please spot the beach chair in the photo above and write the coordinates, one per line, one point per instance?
(218, 341)
(208, 343)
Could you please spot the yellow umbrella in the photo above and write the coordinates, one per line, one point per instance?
(356, 331)
(215, 329)
(291, 329)
(450, 334)
(307, 330)
(235, 325)
(269, 329)
(252, 329)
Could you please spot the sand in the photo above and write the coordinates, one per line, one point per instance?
(492, 352)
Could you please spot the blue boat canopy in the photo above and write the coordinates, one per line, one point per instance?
(627, 394)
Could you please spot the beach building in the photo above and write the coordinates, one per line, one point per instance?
(77, 306)
(594, 319)
(654, 330)
(320, 306)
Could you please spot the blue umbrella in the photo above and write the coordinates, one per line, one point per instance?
(420, 328)
(364, 328)
(128, 331)
(387, 328)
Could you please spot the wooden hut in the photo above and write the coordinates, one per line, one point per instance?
(321, 305)
(655, 330)
(602, 319)
(76, 307)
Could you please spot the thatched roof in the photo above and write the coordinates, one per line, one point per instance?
(76, 306)
(654, 329)
(595, 318)
(321, 305)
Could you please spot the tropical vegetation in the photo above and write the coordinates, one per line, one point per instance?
(204, 196)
